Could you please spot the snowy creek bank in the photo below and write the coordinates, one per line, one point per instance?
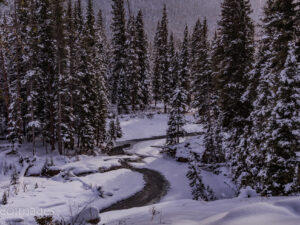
(92, 178)
(156, 186)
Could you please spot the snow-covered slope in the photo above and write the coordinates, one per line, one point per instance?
(254, 211)
(141, 126)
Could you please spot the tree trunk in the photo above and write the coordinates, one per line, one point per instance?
(33, 127)
(5, 80)
(59, 139)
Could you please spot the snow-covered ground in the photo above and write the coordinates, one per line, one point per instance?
(177, 207)
(64, 197)
(82, 183)
(253, 211)
(141, 126)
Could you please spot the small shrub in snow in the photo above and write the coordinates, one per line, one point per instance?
(36, 186)
(199, 190)
(44, 220)
(4, 198)
(48, 220)
(122, 222)
(24, 186)
(101, 192)
(119, 132)
(16, 189)
(14, 179)
(153, 212)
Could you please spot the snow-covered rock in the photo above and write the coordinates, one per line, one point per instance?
(247, 192)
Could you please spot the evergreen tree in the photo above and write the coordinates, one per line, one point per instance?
(119, 133)
(143, 61)
(101, 68)
(112, 137)
(70, 77)
(32, 77)
(114, 132)
(133, 76)
(15, 73)
(75, 40)
(14, 129)
(161, 79)
(4, 79)
(46, 68)
(236, 53)
(119, 79)
(195, 45)
(105, 48)
(297, 25)
(157, 79)
(201, 70)
(173, 63)
(163, 58)
(176, 117)
(184, 69)
(199, 190)
(275, 129)
(64, 119)
(87, 78)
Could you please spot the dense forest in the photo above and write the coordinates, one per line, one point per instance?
(63, 80)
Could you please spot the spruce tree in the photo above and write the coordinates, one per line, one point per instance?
(195, 46)
(87, 78)
(119, 132)
(143, 61)
(119, 80)
(184, 69)
(199, 190)
(176, 117)
(157, 78)
(206, 101)
(75, 36)
(133, 76)
(32, 77)
(297, 25)
(163, 58)
(15, 68)
(70, 77)
(101, 69)
(46, 66)
(173, 63)
(105, 49)
(201, 70)
(236, 53)
(275, 129)
(64, 110)
(4, 79)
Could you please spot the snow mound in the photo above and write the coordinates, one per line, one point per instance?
(285, 212)
(247, 192)
(292, 205)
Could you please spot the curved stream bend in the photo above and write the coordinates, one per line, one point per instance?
(155, 188)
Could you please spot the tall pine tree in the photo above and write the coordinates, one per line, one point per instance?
(119, 80)
(143, 61)
(236, 54)
(275, 129)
